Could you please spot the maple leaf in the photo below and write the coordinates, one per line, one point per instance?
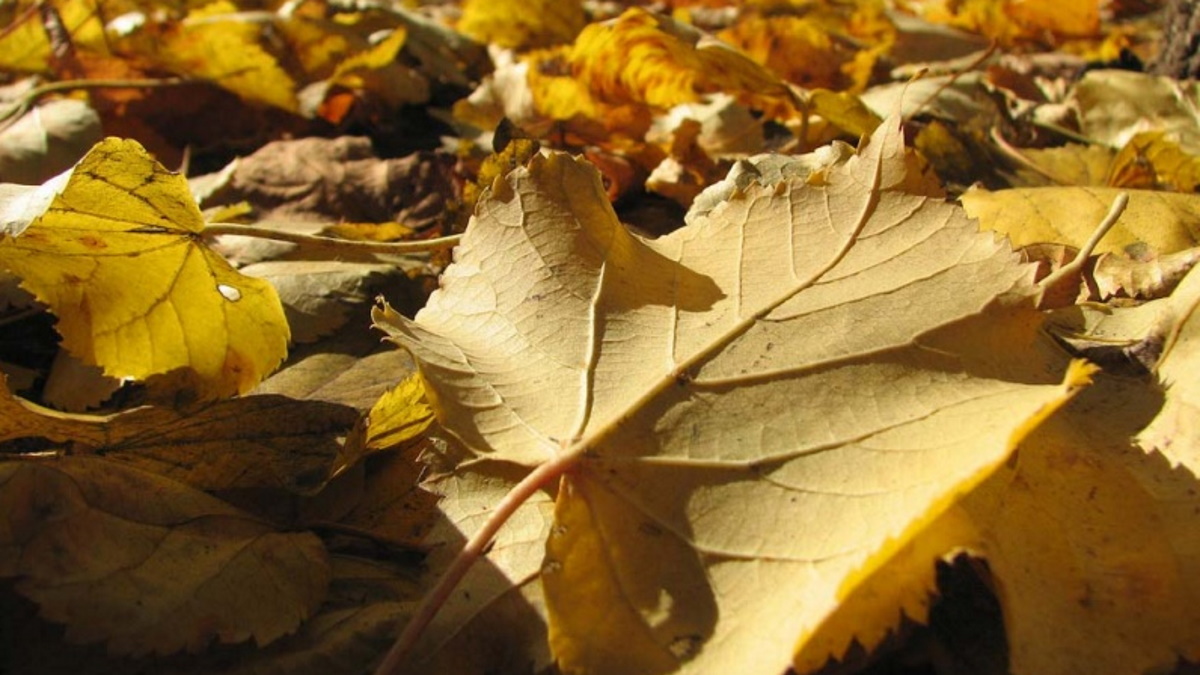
(148, 565)
(746, 413)
(117, 258)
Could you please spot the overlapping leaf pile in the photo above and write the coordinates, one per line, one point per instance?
(749, 441)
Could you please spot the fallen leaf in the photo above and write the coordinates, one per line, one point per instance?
(522, 24)
(118, 259)
(377, 71)
(217, 45)
(1120, 276)
(47, 140)
(400, 415)
(1174, 432)
(341, 179)
(1072, 164)
(496, 617)
(260, 441)
(74, 386)
(752, 408)
(1158, 222)
(350, 368)
(1155, 161)
(318, 296)
(148, 565)
(641, 57)
(1115, 105)
(1090, 542)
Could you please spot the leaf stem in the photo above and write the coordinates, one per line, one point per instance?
(315, 241)
(475, 547)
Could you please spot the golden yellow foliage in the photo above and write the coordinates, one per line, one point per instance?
(1163, 222)
(523, 24)
(645, 58)
(216, 45)
(117, 257)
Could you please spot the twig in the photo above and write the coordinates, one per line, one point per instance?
(474, 549)
(1075, 267)
(315, 241)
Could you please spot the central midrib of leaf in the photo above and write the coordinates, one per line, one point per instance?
(580, 445)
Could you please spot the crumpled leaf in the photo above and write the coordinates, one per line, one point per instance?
(1116, 275)
(641, 57)
(1158, 221)
(817, 47)
(337, 179)
(117, 258)
(1155, 161)
(148, 565)
(753, 409)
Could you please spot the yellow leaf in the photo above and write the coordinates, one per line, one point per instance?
(522, 24)
(1175, 431)
(399, 415)
(1093, 544)
(1152, 160)
(117, 257)
(645, 58)
(294, 444)
(376, 69)
(1160, 221)
(1064, 17)
(214, 44)
(148, 565)
(1074, 164)
(25, 45)
(748, 410)
(815, 49)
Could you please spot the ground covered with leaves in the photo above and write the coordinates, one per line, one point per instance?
(830, 336)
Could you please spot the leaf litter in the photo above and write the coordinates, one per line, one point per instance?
(744, 444)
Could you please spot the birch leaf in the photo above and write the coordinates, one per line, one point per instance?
(755, 409)
(118, 260)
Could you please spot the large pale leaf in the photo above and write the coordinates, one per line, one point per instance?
(752, 408)
(117, 257)
(149, 565)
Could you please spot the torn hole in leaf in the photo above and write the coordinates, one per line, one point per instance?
(229, 292)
